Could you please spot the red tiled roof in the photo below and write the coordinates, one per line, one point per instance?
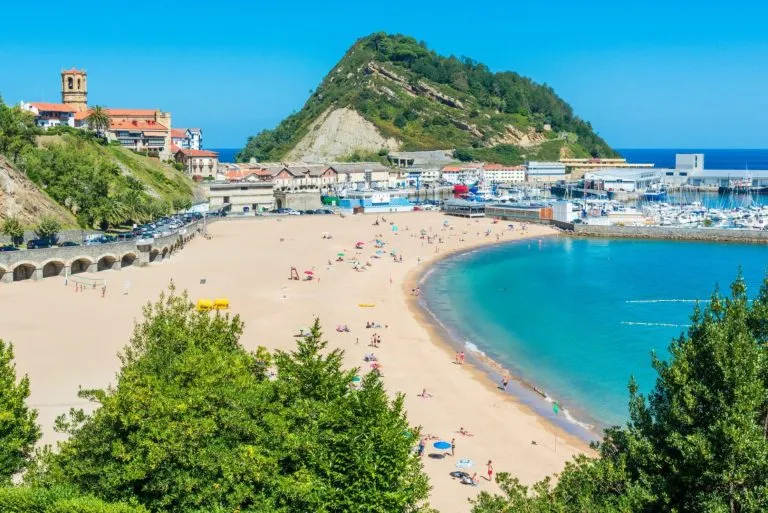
(75, 70)
(452, 168)
(139, 124)
(493, 166)
(131, 112)
(79, 116)
(178, 133)
(198, 153)
(174, 148)
(53, 107)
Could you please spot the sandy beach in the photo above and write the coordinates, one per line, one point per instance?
(65, 339)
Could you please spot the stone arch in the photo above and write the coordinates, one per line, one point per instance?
(279, 203)
(24, 271)
(127, 260)
(3, 272)
(53, 267)
(106, 262)
(154, 255)
(80, 264)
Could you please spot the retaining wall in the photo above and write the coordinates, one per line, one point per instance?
(36, 264)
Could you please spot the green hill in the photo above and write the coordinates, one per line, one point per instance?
(97, 184)
(391, 92)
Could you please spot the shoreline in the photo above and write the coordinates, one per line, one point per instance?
(483, 368)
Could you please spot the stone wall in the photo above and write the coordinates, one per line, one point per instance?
(670, 233)
(36, 264)
(64, 236)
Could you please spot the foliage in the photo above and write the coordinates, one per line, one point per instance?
(48, 229)
(365, 156)
(18, 426)
(26, 499)
(13, 228)
(17, 131)
(98, 119)
(455, 99)
(697, 443)
(194, 424)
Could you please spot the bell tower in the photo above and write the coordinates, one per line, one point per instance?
(74, 89)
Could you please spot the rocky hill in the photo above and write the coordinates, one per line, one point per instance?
(390, 92)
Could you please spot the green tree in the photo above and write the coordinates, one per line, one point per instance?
(98, 120)
(17, 131)
(48, 229)
(13, 228)
(194, 424)
(697, 443)
(18, 427)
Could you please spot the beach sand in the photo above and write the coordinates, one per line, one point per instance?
(65, 339)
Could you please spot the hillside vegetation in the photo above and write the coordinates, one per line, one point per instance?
(94, 184)
(417, 100)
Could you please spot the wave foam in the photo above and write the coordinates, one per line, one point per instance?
(640, 301)
(661, 324)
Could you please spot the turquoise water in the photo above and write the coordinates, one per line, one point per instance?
(578, 317)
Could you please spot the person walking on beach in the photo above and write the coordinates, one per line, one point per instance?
(461, 358)
(422, 445)
(453, 446)
(505, 383)
(490, 470)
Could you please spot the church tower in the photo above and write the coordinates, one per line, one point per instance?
(74, 89)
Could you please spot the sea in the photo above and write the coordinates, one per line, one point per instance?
(576, 318)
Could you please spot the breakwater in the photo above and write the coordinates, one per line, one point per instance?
(666, 233)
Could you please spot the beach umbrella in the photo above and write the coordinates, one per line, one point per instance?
(394, 227)
(465, 463)
(356, 379)
(339, 254)
(441, 445)
(309, 272)
(359, 243)
(380, 252)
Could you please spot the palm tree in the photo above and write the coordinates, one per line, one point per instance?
(98, 119)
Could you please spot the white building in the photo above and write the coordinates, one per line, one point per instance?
(48, 115)
(187, 138)
(498, 173)
(545, 171)
(625, 179)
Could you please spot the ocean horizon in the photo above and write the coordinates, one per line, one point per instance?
(578, 317)
(660, 157)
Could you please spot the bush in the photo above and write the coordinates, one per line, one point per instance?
(12, 228)
(48, 229)
(26, 499)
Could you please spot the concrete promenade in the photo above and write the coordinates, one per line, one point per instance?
(36, 264)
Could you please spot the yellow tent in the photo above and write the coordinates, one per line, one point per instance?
(204, 305)
(221, 304)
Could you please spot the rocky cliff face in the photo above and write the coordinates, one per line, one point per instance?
(19, 197)
(337, 133)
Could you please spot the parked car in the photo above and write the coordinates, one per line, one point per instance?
(292, 212)
(8, 248)
(68, 244)
(38, 244)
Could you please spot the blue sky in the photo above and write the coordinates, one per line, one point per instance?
(646, 74)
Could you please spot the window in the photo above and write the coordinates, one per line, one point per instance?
(683, 173)
(226, 199)
(70, 83)
(78, 84)
(670, 173)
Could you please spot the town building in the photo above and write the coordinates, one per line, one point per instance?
(187, 138)
(199, 164)
(545, 171)
(597, 163)
(421, 168)
(467, 173)
(361, 176)
(241, 198)
(499, 173)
